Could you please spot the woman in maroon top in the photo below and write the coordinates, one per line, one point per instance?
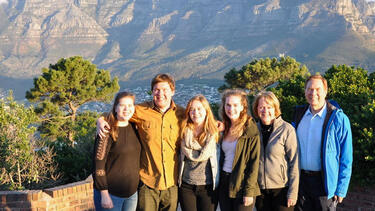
(116, 159)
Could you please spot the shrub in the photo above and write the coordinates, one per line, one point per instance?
(75, 162)
(24, 162)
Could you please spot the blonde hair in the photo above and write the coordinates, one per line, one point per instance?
(244, 116)
(210, 126)
(111, 118)
(270, 98)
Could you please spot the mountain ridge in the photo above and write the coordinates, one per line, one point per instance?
(136, 39)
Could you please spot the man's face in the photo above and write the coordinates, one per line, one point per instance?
(162, 95)
(315, 93)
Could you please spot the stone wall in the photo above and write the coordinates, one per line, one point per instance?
(73, 196)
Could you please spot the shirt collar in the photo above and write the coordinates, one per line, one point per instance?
(321, 113)
(172, 106)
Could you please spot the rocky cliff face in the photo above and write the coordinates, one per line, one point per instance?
(189, 38)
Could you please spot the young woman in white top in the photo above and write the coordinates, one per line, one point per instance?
(240, 160)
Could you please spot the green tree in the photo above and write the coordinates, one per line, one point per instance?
(75, 163)
(62, 89)
(21, 165)
(290, 93)
(351, 86)
(260, 74)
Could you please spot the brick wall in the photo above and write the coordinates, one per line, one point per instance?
(359, 199)
(73, 196)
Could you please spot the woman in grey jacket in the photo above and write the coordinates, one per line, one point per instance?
(278, 167)
(198, 176)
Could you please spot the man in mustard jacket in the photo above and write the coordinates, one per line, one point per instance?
(158, 123)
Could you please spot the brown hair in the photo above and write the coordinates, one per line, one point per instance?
(318, 77)
(111, 118)
(163, 77)
(210, 126)
(270, 98)
(244, 116)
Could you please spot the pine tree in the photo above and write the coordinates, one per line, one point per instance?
(62, 89)
(260, 74)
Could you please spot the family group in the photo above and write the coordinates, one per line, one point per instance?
(156, 154)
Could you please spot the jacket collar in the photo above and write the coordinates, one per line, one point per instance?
(276, 123)
(156, 108)
(251, 129)
(300, 111)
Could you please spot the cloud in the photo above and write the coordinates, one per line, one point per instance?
(3, 1)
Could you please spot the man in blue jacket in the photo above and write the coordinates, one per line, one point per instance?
(326, 153)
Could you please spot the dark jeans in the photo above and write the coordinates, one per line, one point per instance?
(312, 196)
(150, 199)
(273, 200)
(197, 197)
(227, 203)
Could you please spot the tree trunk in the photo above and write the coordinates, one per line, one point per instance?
(19, 175)
(73, 119)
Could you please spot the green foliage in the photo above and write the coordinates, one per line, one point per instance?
(354, 90)
(350, 86)
(21, 165)
(62, 89)
(260, 74)
(364, 149)
(215, 109)
(290, 93)
(75, 163)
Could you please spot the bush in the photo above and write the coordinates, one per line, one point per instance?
(25, 163)
(75, 162)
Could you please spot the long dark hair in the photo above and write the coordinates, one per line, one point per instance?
(111, 118)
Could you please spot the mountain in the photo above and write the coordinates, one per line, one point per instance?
(136, 39)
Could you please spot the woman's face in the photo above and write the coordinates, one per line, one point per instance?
(197, 112)
(125, 109)
(266, 111)
(233, 107)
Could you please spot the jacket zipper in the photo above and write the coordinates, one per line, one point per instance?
(282, 172)
(325, 149)
(264, 166)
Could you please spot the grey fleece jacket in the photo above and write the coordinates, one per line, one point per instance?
(279, 161)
